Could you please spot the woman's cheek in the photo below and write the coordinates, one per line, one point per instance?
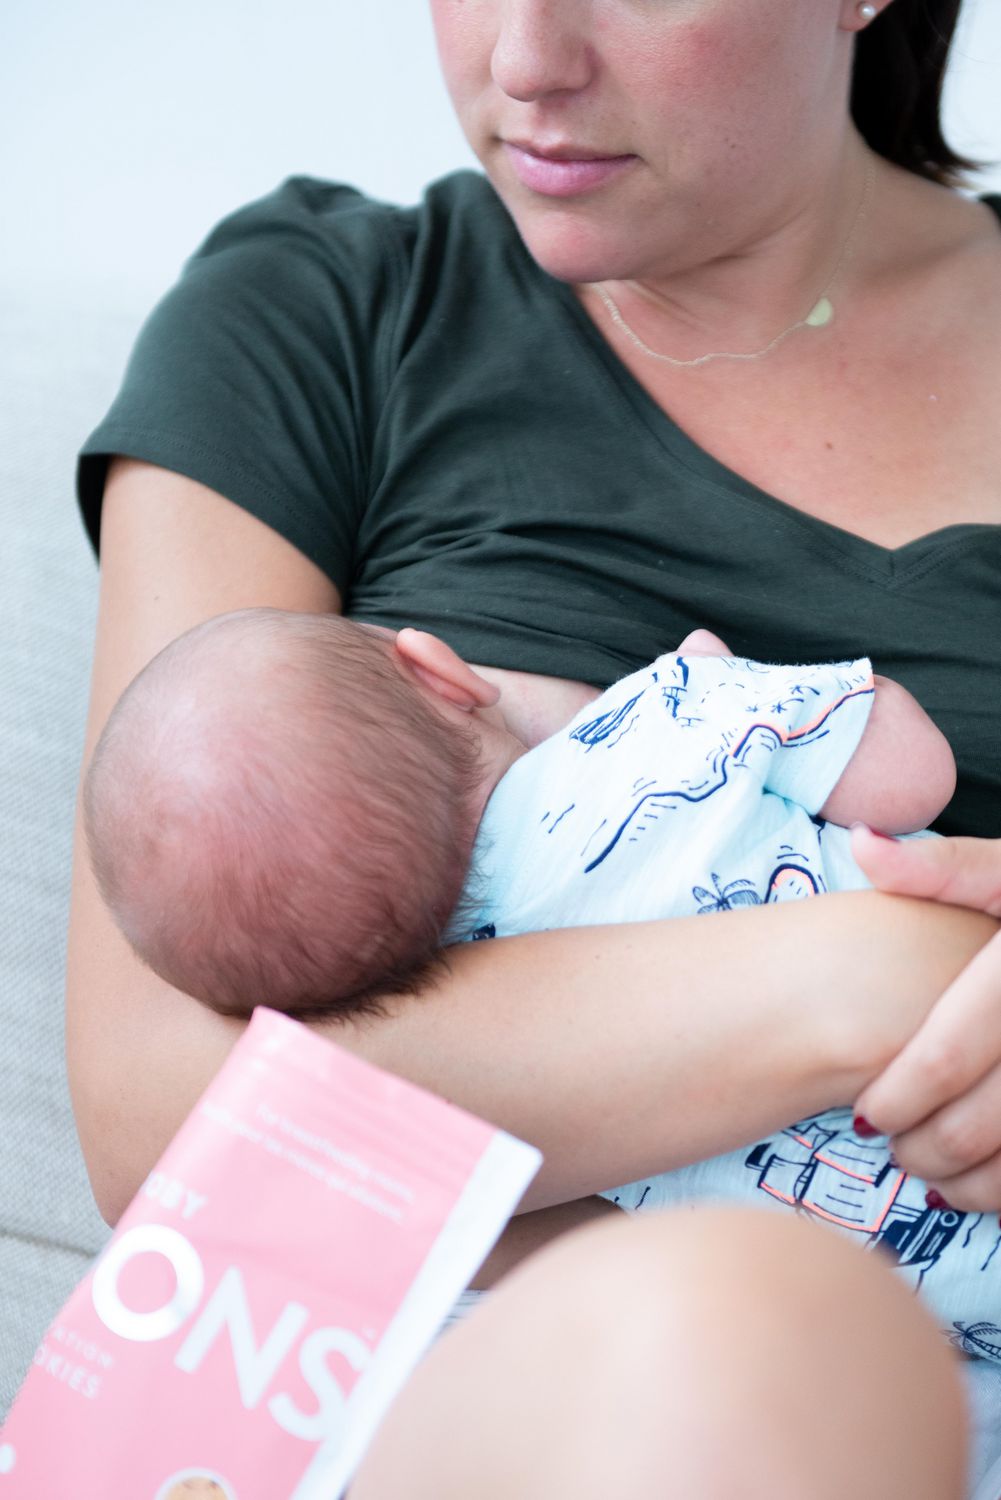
(733, 79)
(464, 43)
(464, 52)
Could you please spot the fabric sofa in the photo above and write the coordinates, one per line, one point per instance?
(60, 363)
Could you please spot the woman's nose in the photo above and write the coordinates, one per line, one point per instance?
(541, 48)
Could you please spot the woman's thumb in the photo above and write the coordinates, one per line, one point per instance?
(960, 871)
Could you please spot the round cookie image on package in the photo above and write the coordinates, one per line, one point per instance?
(195, 1484)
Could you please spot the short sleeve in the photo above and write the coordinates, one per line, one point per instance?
(262, 372)
(815, 717)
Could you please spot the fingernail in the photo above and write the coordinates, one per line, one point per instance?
(935, 1200)
(863, 1129)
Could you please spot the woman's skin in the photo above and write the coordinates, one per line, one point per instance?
(706, 1356)
(745, 180)
(538, 1010)
(745, 184)
(745, 173)
(938, 1098)
(732, 231)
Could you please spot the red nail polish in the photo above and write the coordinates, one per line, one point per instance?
(863, 1129)
(935, 1200)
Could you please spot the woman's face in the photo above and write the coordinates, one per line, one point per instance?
(713, 120)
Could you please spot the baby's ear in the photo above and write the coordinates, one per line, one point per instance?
(443, 671)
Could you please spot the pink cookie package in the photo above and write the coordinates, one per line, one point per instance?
(269, 1289)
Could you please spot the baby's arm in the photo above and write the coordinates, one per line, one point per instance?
(903, 772)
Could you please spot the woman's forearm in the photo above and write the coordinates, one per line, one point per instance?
(627, 1050)
(619, 1051)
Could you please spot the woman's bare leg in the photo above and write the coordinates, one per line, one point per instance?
(708, 1355)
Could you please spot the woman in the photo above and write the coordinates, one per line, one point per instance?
(703, 342)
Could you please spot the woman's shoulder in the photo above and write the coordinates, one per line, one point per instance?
(264, 371)
(315, 261)
(936, 258)
(316, 249)
(940, 228)
(331, 216)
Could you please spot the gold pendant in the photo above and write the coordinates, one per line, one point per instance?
(821, 314)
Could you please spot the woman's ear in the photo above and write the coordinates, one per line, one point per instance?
(444, 672)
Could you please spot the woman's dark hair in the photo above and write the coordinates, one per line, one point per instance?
(900, 63)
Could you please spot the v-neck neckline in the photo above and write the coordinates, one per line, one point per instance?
(891, 564)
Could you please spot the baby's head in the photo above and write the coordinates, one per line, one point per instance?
(281, 811)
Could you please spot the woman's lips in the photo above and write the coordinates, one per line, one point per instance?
(564, 177)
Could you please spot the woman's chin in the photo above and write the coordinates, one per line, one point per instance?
(565, 245)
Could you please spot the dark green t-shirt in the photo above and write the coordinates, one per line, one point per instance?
(436, 423)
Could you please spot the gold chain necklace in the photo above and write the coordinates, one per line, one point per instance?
(820, 314)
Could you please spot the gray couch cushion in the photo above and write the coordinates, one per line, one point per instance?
(60, 366)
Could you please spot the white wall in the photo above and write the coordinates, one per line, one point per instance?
(973, 92)
(128, 127)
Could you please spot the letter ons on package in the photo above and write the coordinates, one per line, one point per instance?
(269, 1289)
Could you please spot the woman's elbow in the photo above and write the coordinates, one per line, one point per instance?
(111, 1190)
(139, 1056)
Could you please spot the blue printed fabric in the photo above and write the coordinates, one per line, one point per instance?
(691, 786)
(695, 786)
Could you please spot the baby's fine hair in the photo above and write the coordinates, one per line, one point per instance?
(277, 816)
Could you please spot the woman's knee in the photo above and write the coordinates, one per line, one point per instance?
(781, 1338)
(700, 1354)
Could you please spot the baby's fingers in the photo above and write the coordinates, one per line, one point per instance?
(958, 1045)
(958, 871)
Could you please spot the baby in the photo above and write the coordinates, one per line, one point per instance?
(287, 808)
(298, 810)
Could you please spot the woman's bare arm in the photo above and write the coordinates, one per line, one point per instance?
(173, 553)
(619, 1050)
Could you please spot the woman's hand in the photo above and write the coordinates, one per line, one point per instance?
(940, 1098)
